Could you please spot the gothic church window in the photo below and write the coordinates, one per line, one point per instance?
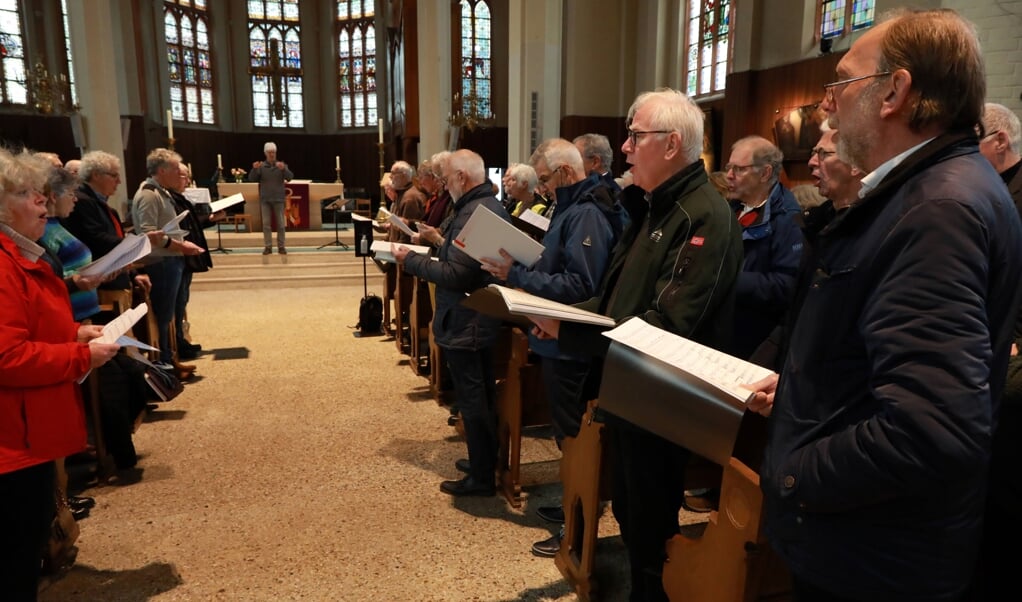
(275, 63)
(708, 39)
(476, 59)
(13, 77)
(356, 63)
(840, 17)
(189, 61)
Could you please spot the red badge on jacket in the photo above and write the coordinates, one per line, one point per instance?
(697, 241)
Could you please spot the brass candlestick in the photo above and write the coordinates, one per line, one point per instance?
(170, 144)
(338, 180)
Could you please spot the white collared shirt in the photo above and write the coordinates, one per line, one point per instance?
(873, 178)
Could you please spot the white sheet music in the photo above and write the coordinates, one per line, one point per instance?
(724, 371)
(131, 248)
(171, 227)
(401, 225)
(535, 219)
(197, 195)
(226, 202)
(117, 327)
(381, 250)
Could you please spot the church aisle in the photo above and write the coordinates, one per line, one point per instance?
(309, 470)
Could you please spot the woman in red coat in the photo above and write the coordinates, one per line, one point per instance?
(43, 352)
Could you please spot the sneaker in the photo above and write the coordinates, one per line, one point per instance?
(267, 250)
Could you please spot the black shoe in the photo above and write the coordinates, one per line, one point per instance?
(701, 501)
(281, 250)
(267, 250)
(463, 465)
(468, 487)
(80, 502)
(185, 353)
(549, 547)
(453, 419)
(551, 514)
(79, 513)
(190, 346)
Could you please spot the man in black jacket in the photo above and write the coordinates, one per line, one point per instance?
(880, 434)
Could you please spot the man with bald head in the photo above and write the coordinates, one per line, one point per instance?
(879, 435)
(466, 336)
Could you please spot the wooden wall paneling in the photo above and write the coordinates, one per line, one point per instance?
(51, 133)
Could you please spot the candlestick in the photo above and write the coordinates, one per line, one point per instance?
(170, 125)
(337, 162)
(219, 162)
(379, 124)
(338, 180)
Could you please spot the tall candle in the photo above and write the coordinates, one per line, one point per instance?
(219, 162)
(170, 125)
(337, 161)
(189, 173)
(379, 124)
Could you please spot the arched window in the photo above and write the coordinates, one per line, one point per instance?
(13, 76)
(476, 60)
(708, 38)
(186, 29)
(275, 62)
(840, 17)
(356, 62)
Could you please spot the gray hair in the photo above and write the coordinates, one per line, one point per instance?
(402, 171)
(160, 158)
(999, 118)
(269, 146)
(97, 162)
(596, 145)
(764, 152)
(17, 172)
(470, 164)
(523, 174)
(556, 152)
(676, 112)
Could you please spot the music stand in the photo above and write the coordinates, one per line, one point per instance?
(336, 206)
(219, 243)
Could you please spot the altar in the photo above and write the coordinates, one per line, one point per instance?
(305, 194)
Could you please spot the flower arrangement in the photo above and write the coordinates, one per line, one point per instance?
(238, 173)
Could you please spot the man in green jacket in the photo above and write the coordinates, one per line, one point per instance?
(675, 267)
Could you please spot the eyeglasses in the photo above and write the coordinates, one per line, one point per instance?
(633, 135)
(828, 89)
(546, 177)
(113, 174)
(821, 154)
(990, 135)
(739, 169)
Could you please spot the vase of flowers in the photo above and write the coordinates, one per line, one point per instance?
(238, 174)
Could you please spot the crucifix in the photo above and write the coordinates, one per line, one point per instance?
(276, 72)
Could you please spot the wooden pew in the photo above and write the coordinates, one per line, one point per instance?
(521, 402)
(420, 314)
(403, 284)
(114, 303)
(731, 561)
(586, 481)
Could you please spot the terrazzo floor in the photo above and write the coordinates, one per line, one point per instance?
(304, 464)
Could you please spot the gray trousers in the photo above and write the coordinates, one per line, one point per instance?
(278, 211)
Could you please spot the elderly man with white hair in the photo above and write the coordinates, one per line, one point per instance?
(271, 175)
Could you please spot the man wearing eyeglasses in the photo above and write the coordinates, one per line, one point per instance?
(767, 212)
(999, 142)
(880, 430)
(675, 267)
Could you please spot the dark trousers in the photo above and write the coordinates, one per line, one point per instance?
(180, 304)
(27, 507)
(562, 381)
(648, 487)
(475, 388)
(166, 278)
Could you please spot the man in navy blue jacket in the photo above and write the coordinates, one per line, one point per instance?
(881, 424)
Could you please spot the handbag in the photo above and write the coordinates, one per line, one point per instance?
(60, 549)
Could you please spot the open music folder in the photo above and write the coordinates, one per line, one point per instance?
(486, 233)
(515, 306)
(687, 393)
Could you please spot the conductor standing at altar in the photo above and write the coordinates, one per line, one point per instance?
(271, 175)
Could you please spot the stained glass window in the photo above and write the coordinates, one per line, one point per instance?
(708, 56)
(275, 62)
(13, 88)
(356, 63)
(839, 17)
(189, 60)
(70, 61)
(476, 59)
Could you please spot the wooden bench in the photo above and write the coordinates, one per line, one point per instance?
(419, 317)
(521, 403)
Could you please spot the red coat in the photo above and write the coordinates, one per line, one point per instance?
(41, 412)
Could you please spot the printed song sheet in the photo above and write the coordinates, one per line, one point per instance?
(381, 250)
(226, 202)
(116, 328)
(717, 368)
(197, 195)
(520, 303)
(131, 248)
(486, 233)
(400, 224)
